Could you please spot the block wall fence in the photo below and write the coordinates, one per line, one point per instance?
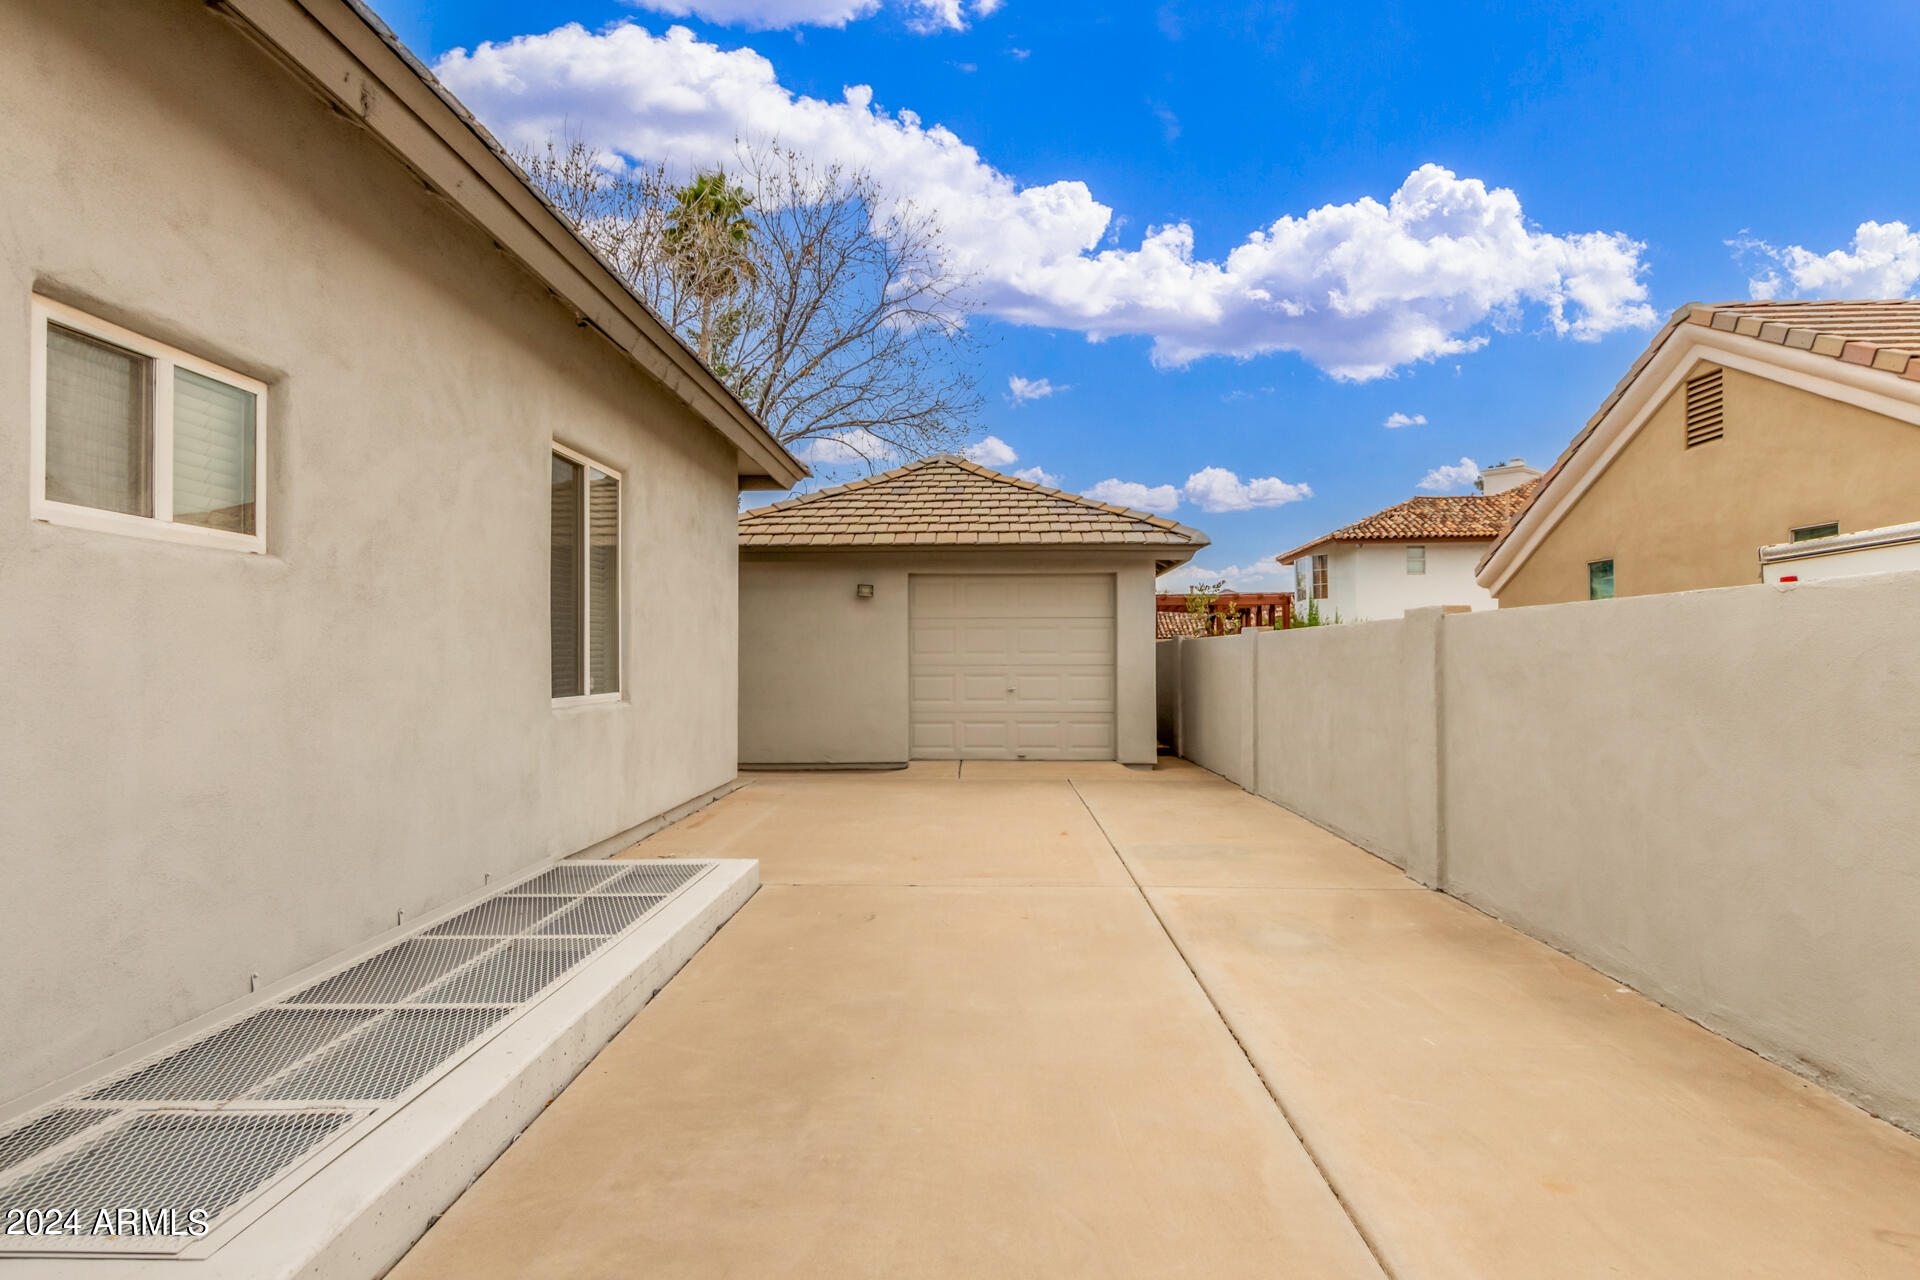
(1713, 796)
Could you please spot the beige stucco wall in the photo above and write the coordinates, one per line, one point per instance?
(1710, 795)
(1714, 796)
(1216, 704)
(823, 674)
(1674, 519)
(1345, 720)
(213, 764)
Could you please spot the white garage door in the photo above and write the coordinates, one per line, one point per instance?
(1013, 667)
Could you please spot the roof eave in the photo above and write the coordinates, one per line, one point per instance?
(359, 66)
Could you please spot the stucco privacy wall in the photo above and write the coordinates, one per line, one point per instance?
(1216, 705)
(1345, 718)
(823, 674)
(1710, 795)
(216, 764)
(1715, 796)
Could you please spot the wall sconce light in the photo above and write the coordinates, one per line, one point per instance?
(864, 591)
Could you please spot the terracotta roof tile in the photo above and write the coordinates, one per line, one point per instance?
(1463, 516)
(949, 501)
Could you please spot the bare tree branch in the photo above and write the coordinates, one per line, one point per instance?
(833, 311)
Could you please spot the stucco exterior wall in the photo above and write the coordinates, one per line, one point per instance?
(1216, 705)
(1675, 519)
(823, 674)
(1345, 732)
(1710, 795)
(1385, 590)
(213, 764)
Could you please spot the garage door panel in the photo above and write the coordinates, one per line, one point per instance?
(1094, 640)
(941, 688)
(1013, 666)
(986, 689)
(984, 735)
(986, 639)
(1088, 691)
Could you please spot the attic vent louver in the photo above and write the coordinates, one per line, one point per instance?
(1706, 417)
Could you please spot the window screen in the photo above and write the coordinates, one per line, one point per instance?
(1416, 560)
(99, 424)
(212, 453)
(603, 581)
(585, 578)
(568, 600)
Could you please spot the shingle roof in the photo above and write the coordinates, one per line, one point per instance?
(948, 501)
(1462, 516)
(1878, 333)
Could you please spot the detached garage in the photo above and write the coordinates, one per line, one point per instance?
(946, 611)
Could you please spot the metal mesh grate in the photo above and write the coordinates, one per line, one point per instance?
(602, 915)
(45, 1133)
(230, 1062)
(394, 974)
(662, 877)
(500, 917)
(189, 1129)
(385, 1060)
(516, 972)
(171, 1166)
(570, 878)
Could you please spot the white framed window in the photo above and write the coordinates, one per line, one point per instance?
(584, 588)
(129, 435)
(1416, 561)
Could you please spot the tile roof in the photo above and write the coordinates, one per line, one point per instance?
(948, 501)
(1462, 516)
(1168, 625)
(1877, 333)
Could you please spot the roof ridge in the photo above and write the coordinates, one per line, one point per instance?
(926, 513)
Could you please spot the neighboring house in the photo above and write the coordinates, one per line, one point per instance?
(1420, 553)
(944, 610)
(337, 482)
(1742, 426)
(1830, 554)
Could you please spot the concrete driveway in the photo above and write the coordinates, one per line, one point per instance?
(1048, 1020)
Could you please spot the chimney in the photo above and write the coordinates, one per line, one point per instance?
(1502, 476)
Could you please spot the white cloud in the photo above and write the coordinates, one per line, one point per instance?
(1358, 289)
(1020, 390)
(991, 452)
(1406, 420)
(844, 448)
(1162, 498)
(1460, 475)
(1882, 262)
(1035, 475)
(1266, 574)
(1217, 489)
(779, 15)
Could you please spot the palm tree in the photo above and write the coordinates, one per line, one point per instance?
(711, 239)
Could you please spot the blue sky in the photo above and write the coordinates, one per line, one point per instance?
(1595, 167)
